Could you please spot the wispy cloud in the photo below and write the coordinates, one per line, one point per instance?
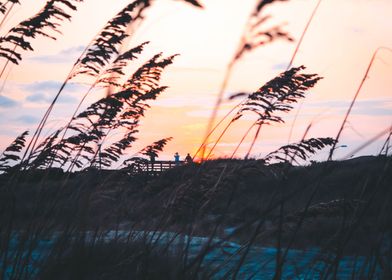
(27, 119)
(43, 92)
(38, 98)
(192, 100)
(6, 102)
(371, 107)
(64, 56)
(49, 86)
(357, 29)
(47, 98)
(280, 66)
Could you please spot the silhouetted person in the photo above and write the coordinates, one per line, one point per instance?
(177, 158)
(188, 158)
(152, 157)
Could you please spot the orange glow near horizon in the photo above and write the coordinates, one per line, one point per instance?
(337, 46)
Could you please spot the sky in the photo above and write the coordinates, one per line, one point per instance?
(338, 46)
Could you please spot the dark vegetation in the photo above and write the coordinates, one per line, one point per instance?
(81, 193)
(111, 199)
(340, 207)
(115, 260)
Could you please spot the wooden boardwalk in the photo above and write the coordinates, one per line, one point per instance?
(157, 166)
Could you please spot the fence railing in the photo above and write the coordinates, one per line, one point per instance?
(157, 166)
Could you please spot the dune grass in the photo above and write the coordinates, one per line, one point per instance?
(73, 207)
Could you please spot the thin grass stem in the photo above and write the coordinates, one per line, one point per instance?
(364, 78)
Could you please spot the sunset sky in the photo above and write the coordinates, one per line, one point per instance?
(338, 46)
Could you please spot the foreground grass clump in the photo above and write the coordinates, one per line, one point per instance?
(219, 209)
(236, 194)
(113, 261)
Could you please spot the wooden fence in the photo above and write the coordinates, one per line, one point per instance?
(157, 166)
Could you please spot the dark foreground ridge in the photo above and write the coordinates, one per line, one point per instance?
(341, 207)
(200, 193)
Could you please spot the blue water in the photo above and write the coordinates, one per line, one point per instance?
(222, 258)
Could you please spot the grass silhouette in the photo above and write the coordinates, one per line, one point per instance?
(73, 205)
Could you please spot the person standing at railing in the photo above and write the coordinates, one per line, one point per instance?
(177, 158)
(150, 165)
(188, 158)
